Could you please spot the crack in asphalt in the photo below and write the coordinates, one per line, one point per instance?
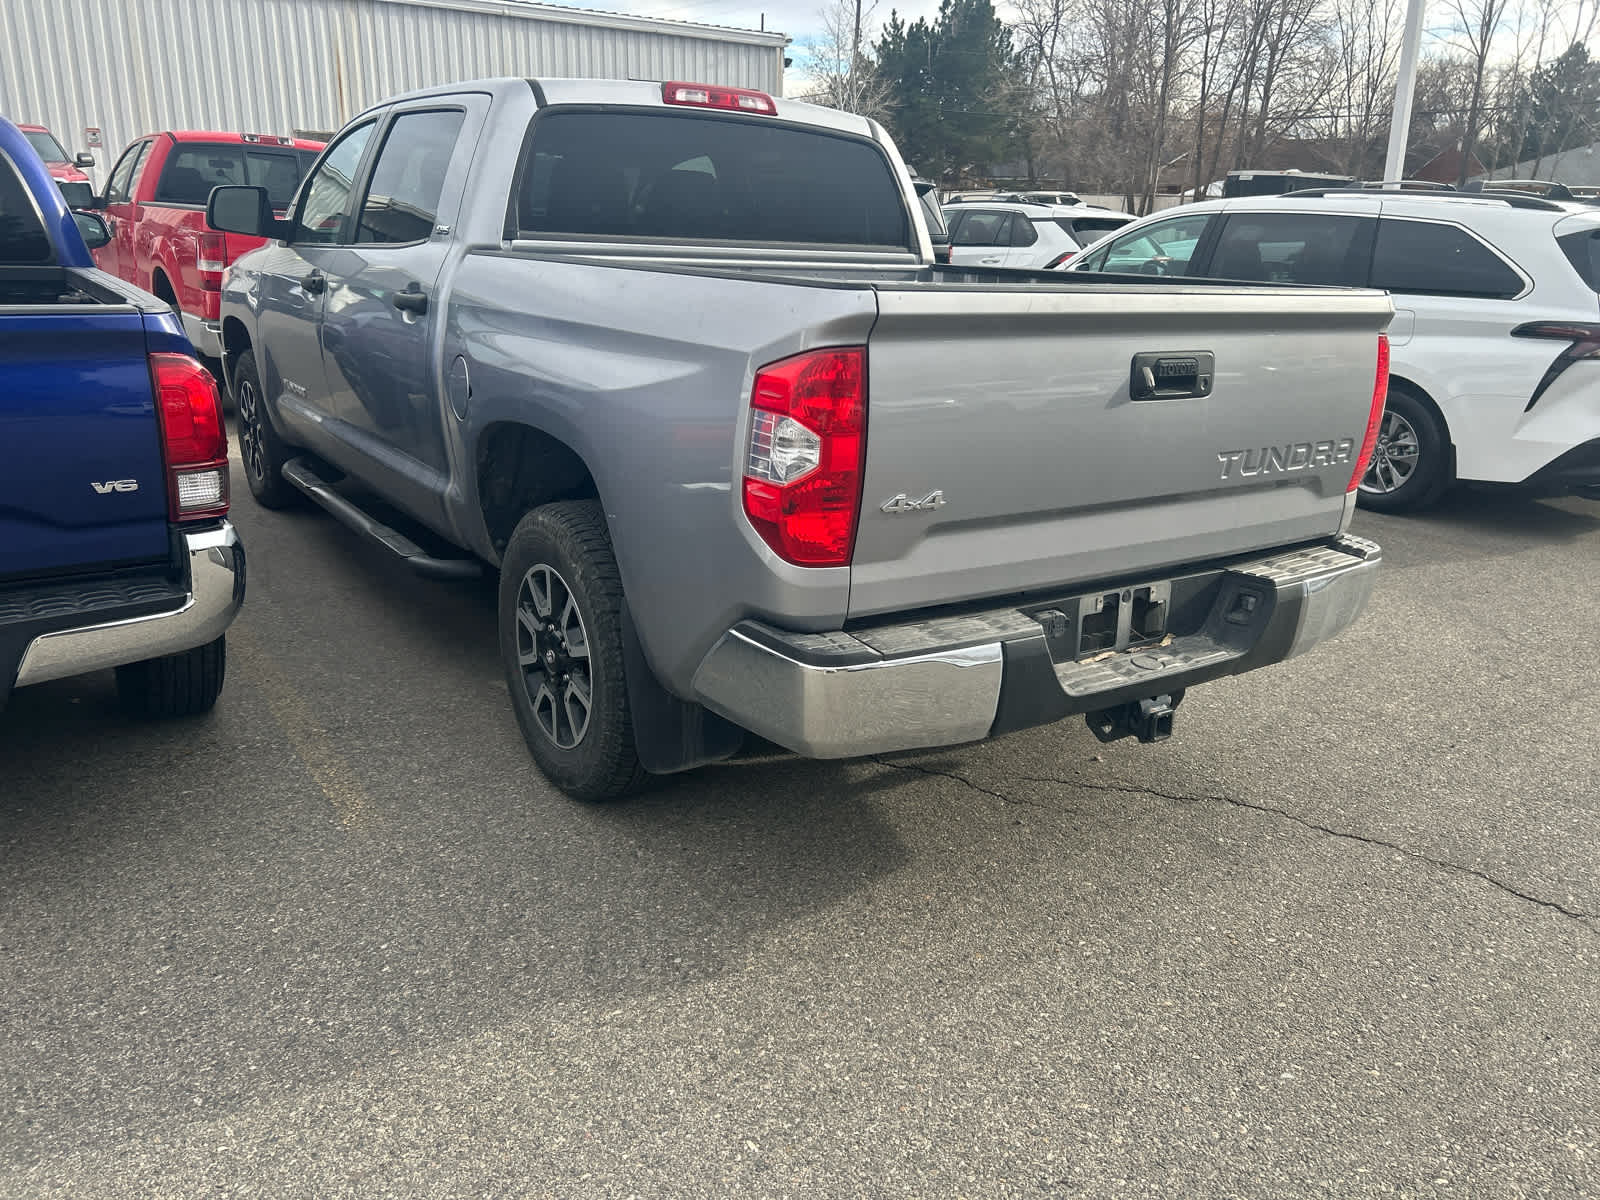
(1576, 914)
(915, 769)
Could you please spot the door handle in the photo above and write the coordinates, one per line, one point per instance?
(989, 262)
(1178, 375)
(411, 301)
(314, 283)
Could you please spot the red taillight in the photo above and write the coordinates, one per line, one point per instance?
(1060, 260)
(1380, 395)
(194, 441)
(702, 95)
(213, 252)
(802, 477)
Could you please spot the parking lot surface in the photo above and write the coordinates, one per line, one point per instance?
(1339, 937)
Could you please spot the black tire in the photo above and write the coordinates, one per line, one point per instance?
(260, 449)
(1412, 433)
(567, 544)
(178, 685)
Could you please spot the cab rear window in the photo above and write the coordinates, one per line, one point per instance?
(192, 170)
(707, 179)
(22, 236)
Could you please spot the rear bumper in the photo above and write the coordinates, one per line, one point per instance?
(198, 612)
(1577, 469)
(949, 680)
(206, 335)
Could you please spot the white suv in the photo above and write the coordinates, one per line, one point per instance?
(1493, 375)
(1025, 237)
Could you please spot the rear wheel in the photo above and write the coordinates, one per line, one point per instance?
(177, 685)
(260, 449)
(1410, 466)
(561, 642)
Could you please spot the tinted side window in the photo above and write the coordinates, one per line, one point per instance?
(321, 220)
(1294, 248)
(22, 236)
(982, 229)
(1022, 231)
(1430, 259)
(402, 201)
(934, 216)
(1583, 252)
(680, 175)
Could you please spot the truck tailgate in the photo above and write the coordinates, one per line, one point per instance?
(1016, 407)
(82, 446)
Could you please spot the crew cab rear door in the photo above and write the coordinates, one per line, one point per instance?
(377, 332)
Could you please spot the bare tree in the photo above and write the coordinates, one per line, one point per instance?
(838, 74)
(1367, 46)
(1480, 21)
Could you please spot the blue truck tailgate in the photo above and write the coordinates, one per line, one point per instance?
(82, 451)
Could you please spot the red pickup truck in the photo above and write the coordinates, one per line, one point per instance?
(62, 167)
(155, 203)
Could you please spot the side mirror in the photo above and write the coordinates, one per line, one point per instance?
(235, 208)
(93, 228)
(77, 195)
(83, 159)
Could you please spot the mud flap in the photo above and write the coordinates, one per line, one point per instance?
(670, 734)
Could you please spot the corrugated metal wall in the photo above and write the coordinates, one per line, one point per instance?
(130, 67)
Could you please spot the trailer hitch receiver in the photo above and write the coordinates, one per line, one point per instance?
(1149, 720)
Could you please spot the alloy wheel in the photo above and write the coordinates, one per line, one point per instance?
(1394, 458)
(553, 656)
(250, 446)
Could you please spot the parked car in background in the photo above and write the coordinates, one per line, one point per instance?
(938, 233)
(1495, 346)
(1025, 237)
(861, 507)
(1276, 183)
(1064, 199)
(62, 166)
(155, 201)
(115, 548)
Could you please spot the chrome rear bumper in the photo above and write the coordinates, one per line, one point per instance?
(216, 590)
(957, 679)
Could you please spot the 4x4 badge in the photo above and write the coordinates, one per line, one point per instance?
(905, 504)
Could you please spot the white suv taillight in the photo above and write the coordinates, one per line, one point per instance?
(802, 476)
(194, 441)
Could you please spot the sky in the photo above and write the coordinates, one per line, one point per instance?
(800, 19)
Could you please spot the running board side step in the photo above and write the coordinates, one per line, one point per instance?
(304, 476)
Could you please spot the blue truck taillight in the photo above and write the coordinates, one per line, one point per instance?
(194, 441)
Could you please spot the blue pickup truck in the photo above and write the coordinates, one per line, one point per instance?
(115, 548)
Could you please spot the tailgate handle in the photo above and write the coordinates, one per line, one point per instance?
(1171, 375)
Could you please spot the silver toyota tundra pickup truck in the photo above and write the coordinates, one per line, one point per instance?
(675, 360)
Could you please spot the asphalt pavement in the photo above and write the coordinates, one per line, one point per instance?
(1339, 937)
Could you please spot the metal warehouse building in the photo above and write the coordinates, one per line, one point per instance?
(128, 67)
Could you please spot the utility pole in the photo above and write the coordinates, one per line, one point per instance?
(855, 57)
(1405, 86)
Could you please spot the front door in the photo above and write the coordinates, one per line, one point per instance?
(116, 257)
(294, 284)
(381, 316)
